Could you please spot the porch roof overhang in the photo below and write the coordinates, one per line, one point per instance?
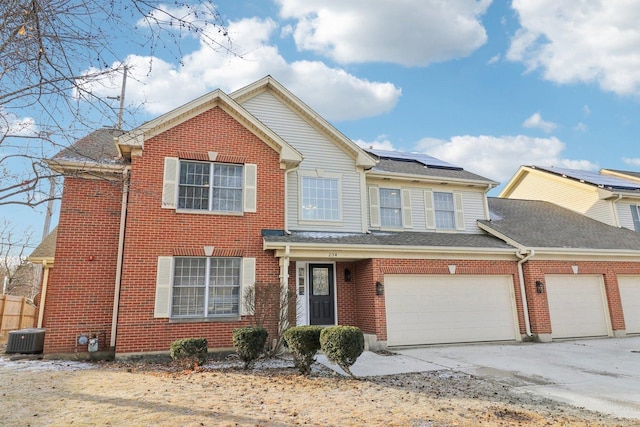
(356, 246)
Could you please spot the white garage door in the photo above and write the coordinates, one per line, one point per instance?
(577, 306)
(435, 309)
(630, 295)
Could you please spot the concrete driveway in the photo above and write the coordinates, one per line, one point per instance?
(597, 374)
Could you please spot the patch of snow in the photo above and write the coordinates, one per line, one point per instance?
(38, 365)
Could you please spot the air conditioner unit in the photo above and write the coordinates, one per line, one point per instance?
(26, 341)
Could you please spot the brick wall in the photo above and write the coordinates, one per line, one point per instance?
(153, 231)
(81, 286)
(539, 305)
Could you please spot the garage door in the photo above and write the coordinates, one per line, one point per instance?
(630, 295)
(577, 306)
(449, 309)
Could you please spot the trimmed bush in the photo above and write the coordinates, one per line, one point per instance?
(249, 343)
(342, 345)
(304, 343)
(189, 352)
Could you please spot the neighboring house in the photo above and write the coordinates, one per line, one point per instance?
(164, 231)
(584, 275)
(609, 196)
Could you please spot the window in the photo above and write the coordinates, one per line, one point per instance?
(206, 287)
(390, 208)
(444, 208)
(210, 186)
(635, 214)
(320, 199)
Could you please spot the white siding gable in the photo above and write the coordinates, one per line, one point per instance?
(320, 155)
(575, 196)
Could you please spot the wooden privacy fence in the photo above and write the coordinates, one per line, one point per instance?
(15, 313)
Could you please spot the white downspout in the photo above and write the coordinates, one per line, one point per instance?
(520, 253)
(615, 211)
(43, 294)
(116, 293)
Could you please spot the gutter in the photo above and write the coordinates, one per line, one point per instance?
(43, 292)
(118, 280)
(524, 257)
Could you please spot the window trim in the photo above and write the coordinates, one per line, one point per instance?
(171, 186)
(635, 217)
(211, 188)
(319, 174)
(163, 303)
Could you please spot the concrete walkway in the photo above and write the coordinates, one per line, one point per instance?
(598, 374)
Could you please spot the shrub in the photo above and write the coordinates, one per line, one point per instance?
(249, 343)
(304, 343)
(342, 345)
(189, 352)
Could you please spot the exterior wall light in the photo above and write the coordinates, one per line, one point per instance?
(347, 275)
(539, 287)
(379, 289)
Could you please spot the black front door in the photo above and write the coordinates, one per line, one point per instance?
(321, 291)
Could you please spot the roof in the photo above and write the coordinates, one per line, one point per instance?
(392, 239)
(46, 250)
(594, 178)
(97, 147)
(416, 164)
(539, 224)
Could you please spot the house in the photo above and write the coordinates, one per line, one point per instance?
(610, 196)
(179, 228)
(586, 274)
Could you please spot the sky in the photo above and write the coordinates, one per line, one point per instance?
(485, 85)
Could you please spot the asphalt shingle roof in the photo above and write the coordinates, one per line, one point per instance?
(414, 167)
(46, 248)
(96, 147)
(381, 238)
(541, 224)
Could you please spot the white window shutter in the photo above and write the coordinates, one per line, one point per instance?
(428, 209)
(248, 280)
(374, 207)
(457, 202)
(407, 218)
(170, 182)
(250, 187)
(163, 287)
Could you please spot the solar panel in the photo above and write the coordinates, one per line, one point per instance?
(593, 178)
(424, 159)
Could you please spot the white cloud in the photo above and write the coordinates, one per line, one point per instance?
(632, 162)
(498, 158)
(536, 121)
(409, 32)
(380, 143)
(12, 125)
(335, 94)
(581, 127)
(580, 42)
(494, 59)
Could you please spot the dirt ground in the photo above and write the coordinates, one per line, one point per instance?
(65, 393)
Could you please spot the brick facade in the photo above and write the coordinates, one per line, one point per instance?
(81, 286)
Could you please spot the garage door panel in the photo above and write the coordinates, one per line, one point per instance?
(425, 309)
(577, 306)
(630, 296)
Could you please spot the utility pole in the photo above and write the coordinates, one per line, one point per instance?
(121, 97)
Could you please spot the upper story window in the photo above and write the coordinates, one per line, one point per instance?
(210, 186)
(444, 209)
(206, 287)
(320, 199)
(390, 208)
(635, 214)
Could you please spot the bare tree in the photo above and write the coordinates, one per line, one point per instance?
(51, 51)
(17, 275)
